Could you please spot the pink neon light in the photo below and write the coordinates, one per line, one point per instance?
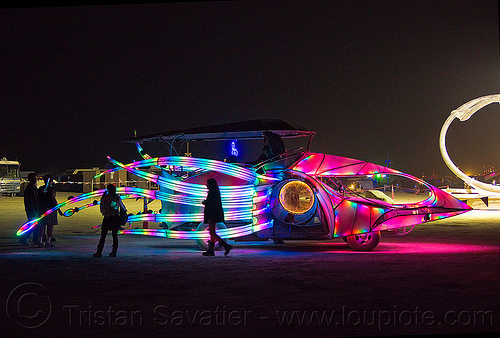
(331, 165)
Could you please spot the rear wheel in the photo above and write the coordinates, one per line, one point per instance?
(203, 244)
(364, 242)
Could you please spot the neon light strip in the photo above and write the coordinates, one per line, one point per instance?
(180, 234)
(71, 212)
(194, 162)
(189, 188)
(243, 207)
(241, 213)
(146, 232)
(142, 152)
(30, 224)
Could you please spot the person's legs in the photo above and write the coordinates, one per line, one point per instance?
(41, 229)
(35, 233)
(100, 246)
(227, 247)
(210, 251)
(104, 233)
(24, 237)
(214, 237)
(50, 231)
(114, 233)
(211, 243)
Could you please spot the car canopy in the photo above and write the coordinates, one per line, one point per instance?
(244, 130)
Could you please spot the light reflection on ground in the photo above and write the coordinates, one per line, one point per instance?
(267, 249)
(430, 248)
(382, 248)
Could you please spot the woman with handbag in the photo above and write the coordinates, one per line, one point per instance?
(110, 207)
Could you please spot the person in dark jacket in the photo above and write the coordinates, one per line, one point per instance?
(110, 208)
(214, 214)
(32, 208)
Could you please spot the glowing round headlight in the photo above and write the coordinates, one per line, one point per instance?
(296, 197)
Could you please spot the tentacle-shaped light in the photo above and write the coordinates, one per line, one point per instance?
(30, 224)
(190, 188)
(121, 191)
(230, 169)
(224, 233)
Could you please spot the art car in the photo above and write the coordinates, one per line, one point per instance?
(285, 195)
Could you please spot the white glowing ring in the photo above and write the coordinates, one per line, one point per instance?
(463, 113)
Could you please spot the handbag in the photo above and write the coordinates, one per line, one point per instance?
(123, 216)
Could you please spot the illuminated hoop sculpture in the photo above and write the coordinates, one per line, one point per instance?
(463, 113)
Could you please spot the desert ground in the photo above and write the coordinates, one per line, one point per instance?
(442, 278)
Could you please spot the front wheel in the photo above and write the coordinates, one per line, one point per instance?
(364, 242)
(203, 244)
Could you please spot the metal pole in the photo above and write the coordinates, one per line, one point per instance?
(145, 224)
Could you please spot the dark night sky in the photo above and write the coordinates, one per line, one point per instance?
(370, 77)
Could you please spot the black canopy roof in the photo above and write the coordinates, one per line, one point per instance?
(244, 130)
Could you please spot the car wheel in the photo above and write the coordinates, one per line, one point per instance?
(203, 244)
(364, 242)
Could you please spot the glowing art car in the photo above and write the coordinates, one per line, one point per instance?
(295, 195)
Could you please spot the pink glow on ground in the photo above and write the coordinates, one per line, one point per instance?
(416, 248)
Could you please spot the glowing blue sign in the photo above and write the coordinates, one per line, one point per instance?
(234, 151)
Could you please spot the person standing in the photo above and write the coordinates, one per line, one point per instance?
(213, 214)
(47, 198)
(276, 145)
(110, 208)
(32, 208)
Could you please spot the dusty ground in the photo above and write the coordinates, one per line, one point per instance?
(443, 277)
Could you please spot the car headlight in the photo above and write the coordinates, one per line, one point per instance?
(296, 197)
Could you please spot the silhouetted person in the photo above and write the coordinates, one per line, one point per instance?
(32, 208)
(110, 209)
(273, 146)
(47, 198)
(264, 156)
(276, 145)
(214, 214)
